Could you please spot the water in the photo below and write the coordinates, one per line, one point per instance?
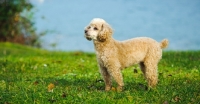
(176, 20)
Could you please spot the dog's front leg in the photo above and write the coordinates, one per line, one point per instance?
(107, 78)
(115, 72)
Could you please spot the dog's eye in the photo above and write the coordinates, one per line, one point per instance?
(89, 27)
(95, 28)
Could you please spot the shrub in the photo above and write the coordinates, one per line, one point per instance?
(13, 26)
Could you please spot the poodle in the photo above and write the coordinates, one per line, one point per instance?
(113, 55)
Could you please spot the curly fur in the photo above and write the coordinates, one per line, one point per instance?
(113, 55)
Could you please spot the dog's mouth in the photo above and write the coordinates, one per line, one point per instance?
(88, 37)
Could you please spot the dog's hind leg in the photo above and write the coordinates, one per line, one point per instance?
(150, 71)
(151, 74)
(151, 66)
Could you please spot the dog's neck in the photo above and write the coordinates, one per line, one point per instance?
(102, 46)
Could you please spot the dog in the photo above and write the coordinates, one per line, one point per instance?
(113, 55)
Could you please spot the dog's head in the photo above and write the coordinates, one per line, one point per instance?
(98, 30)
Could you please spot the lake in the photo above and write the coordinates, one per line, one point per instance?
(176, 20)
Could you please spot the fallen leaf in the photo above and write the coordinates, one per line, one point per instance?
(36, 83)
(50, 87)
(113, 89)
(177, 98)
(166, 102)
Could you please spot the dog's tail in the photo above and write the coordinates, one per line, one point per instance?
(164, 43)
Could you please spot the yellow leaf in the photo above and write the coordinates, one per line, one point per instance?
(50, 87)
(113, 89)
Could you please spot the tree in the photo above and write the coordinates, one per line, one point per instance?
(13, 26)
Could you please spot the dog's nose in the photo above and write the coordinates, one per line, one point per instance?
(86, 31)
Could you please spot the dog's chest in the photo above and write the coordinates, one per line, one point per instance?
(107, 58)
(102, 58)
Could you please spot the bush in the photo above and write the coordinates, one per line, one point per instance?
(13, 26)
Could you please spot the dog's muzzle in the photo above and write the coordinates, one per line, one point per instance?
(87, 36)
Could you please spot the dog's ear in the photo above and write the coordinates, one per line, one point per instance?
(106, 32)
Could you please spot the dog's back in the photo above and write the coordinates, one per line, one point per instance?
(135, 50)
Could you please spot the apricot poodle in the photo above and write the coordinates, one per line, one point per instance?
(113, 55)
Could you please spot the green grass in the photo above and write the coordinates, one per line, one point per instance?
(26, 73)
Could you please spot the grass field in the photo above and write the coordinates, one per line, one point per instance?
(34, 76)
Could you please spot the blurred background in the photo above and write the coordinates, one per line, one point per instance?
(59, 25)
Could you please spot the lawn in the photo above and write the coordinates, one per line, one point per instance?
(34, 76)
